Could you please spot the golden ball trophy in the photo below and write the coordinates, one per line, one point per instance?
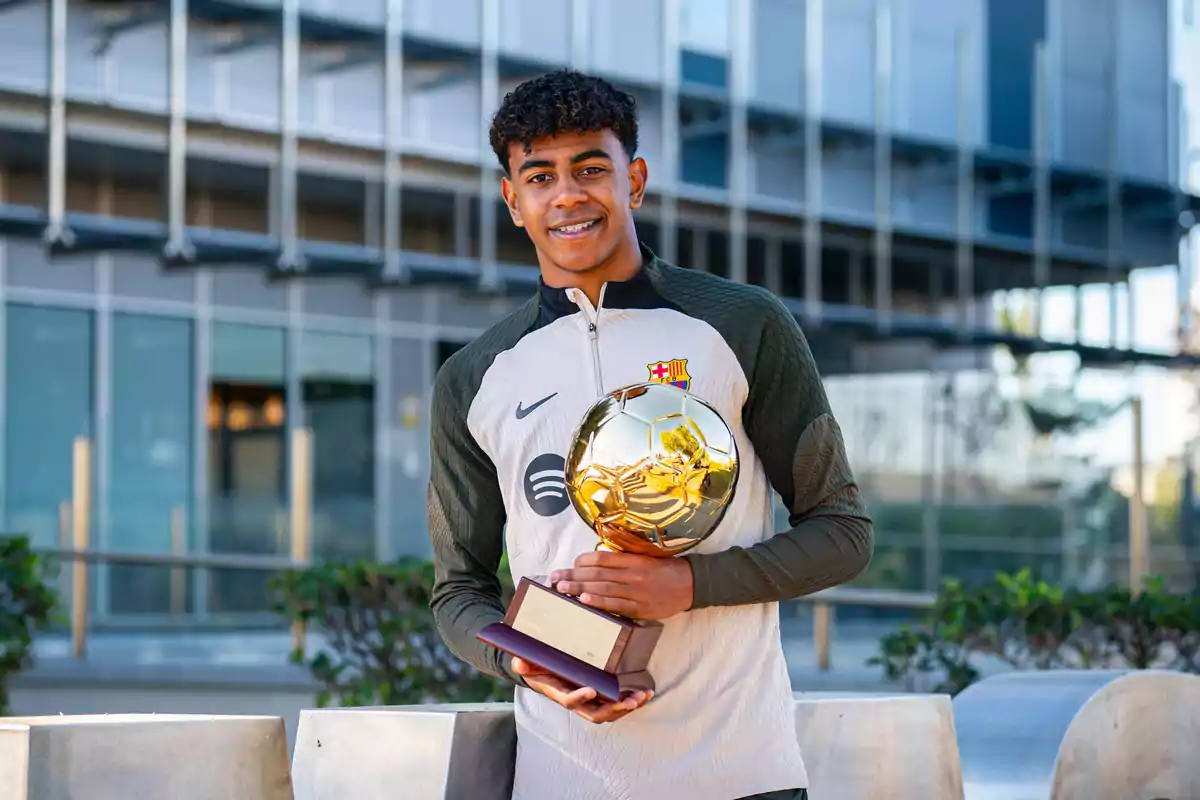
(651, 469)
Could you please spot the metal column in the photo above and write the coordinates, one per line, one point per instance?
(393, 88)
(857, 287)
(1139, 542)
(81, 540)
(489, 274)
(700, 248)
(883, 165)
(289, 76)
(178, 248)
(773, 268)
(102, 418)
(669, 222)
(964, 249)
(741, 34)
(202, 375)
(56, 233)
(1041, 182)
(1115, 220)
(814, 30)
(931, 494)
(1184, 288)
(300, 522)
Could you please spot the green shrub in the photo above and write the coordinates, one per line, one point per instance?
(27, 604)
(1029, 624)
(382, 646)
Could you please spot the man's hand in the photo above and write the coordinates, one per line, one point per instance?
(580, 700)
(639, 587)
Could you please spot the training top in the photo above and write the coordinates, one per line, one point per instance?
(721, 723)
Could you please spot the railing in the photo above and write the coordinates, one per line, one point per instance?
(75, 550)
(76, 535)
(823, 603)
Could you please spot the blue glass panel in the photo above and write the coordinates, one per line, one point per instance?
(705, 69)
(48, 353)
(704, 161)
(151, 458)
(1014, 27)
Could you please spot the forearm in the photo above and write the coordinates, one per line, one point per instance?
(817, 554)
(830, 542)
(461, 610)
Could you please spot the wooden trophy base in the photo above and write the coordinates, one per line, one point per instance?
(578, 643)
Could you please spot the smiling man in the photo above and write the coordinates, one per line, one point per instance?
(609, 313)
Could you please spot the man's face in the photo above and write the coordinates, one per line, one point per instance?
(575, 195)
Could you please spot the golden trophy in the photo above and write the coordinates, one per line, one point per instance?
(651, 469)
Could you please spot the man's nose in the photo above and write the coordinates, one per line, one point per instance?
(569, 194)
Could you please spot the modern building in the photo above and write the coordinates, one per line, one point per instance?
(228, 223)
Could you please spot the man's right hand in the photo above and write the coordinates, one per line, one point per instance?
(580, 700)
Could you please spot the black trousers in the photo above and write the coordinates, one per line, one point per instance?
(782, 794)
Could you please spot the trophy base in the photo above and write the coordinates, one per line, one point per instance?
(608, 686)
(580, 644)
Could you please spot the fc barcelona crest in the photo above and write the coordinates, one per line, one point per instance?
(673, 372)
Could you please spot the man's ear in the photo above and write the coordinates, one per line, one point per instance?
(637, 182)
(510, 200)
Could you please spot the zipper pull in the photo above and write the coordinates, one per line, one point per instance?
(592, 329)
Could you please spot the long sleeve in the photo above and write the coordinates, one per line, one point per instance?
(794, 433)
(466, 527)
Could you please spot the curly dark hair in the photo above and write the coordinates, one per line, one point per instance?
(563, 101)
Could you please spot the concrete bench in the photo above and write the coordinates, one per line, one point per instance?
(867, 747)
(1059, 735)
(134, 756)
(459, 752)
(1080, 735)
(878, 747)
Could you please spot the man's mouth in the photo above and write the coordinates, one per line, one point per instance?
(575, 229)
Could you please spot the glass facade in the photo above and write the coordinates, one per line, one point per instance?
(192, 407)
(826, 151)
(191, 402)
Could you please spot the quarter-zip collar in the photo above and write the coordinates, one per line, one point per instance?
(636, 292)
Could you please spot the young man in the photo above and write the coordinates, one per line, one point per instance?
(608, 313)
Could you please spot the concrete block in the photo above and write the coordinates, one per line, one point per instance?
(855, 746)
(144, 757)
(878, 747)
(429, 752)
(1080, 735)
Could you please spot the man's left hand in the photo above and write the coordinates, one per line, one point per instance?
(640, 587)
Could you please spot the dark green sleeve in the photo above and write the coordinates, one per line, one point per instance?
(466, 525)
(793, 432)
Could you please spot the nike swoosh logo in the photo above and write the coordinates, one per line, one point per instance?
(523, 412)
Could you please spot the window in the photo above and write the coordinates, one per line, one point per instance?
(247, 458)
(48, 352)
(151, 459)
(338, 396)
(1189, 13)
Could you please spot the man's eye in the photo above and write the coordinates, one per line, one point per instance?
(592, 170)
(538, 178)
